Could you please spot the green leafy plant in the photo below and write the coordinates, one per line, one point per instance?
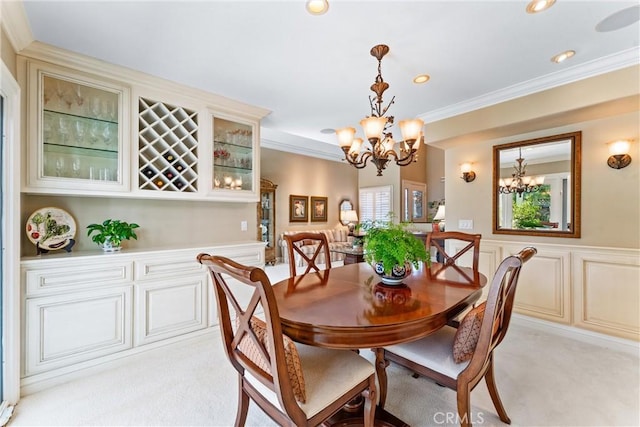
(526, 215)
(392, 244)
(113, 230)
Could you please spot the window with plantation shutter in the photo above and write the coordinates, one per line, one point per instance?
(375, 203)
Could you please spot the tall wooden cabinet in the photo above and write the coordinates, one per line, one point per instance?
(267, 219)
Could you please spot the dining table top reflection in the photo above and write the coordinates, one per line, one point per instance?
(349, 306)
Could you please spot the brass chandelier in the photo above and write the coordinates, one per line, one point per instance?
(376, 130)
(519, 182)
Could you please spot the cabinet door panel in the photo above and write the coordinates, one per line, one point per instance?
(77, 131)
(63, 330)
(170, 307)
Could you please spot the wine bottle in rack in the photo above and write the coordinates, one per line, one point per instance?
(159, 182)
(179, 184)
(149, 172)
(179, 167)
(169, 174)
(169, 157)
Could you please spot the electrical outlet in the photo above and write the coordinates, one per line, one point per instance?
(243, 225)
(465, 224)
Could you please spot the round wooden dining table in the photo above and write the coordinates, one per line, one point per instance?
(348, 307)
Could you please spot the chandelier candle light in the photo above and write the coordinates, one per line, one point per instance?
(376, 130)
(520, 182)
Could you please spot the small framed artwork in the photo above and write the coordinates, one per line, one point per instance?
(318, 209)
(298, 209)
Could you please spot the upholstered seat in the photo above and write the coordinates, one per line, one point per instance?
(294, 384)
(460, 358)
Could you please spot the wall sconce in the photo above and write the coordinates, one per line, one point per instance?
(619, 154)
(467, 174)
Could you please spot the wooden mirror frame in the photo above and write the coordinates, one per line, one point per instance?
(573, 219)
(344, 205)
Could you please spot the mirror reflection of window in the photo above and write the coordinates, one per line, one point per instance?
(535, 186)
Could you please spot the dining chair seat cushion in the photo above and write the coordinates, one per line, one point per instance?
(296, 375)
(433, 351)
(328, 374)
(468, 333)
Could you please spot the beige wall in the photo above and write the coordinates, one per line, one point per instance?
(610, 198)
(308, 176)
(163, 223)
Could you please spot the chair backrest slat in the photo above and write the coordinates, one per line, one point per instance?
(294, 246)
(438, 240)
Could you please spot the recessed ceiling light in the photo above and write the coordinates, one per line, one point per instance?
(317, 7)
(620, 19)
(422, 78)
(328, 131)
(536, 6)
(563, 56)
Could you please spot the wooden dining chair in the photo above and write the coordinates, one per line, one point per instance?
(440, 241)
(299, 242)
(460, 358)
(294, 384)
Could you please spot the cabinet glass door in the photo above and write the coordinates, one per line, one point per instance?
(80, 134)
(76, 140)
(233, 155)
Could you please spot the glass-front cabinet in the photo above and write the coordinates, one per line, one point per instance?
(234, 156)
(267, 219)
(77, 139)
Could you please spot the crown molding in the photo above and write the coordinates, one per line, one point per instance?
(626, 58)
(65, 58)
(281, 141)
(15, 23)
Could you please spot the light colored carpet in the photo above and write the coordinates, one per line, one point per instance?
(544, 380)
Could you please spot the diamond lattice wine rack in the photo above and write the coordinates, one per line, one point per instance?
(168, 143)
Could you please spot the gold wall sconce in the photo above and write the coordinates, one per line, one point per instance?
(467, 174)
(619, 154)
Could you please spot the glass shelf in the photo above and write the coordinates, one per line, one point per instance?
(233, 155)
(80, 130)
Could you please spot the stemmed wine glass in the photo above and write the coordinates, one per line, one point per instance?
(79, 130)
(59, 166)
(75, 166)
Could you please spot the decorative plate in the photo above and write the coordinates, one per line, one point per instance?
(51, 228)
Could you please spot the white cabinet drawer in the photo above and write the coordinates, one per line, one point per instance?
(62, 330)
(77, 277)
(161, 267)
(170, 307)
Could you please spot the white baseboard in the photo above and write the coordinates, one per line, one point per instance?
(595, 338)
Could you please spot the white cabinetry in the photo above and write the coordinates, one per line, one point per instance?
(83, 309)
(95, 128)
(76, 137)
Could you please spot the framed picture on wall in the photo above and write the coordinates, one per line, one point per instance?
(318, 209)
(298, 209)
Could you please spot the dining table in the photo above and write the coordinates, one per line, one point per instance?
(348, 307)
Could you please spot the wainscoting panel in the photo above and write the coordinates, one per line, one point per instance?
(544, 287)
(607, 293)
(592, 288)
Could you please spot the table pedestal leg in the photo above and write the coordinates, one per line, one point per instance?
(381, 373)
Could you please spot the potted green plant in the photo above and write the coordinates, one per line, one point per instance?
(110, 234)
(392, 250)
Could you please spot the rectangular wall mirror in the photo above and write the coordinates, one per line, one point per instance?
(536, 186)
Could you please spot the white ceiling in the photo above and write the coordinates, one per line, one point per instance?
(314, 72)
